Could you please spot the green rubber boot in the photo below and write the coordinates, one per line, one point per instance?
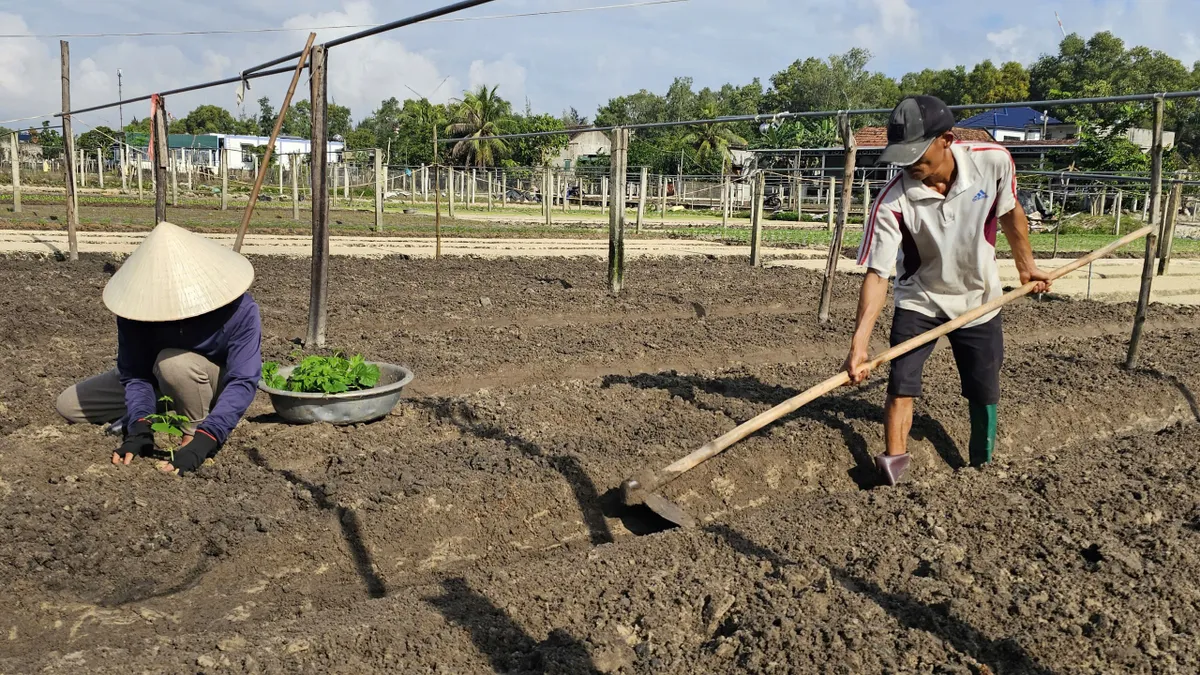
(983, 433)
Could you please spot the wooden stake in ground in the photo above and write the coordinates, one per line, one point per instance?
(1156, 158)
(829, 198)
(756, 211)
(503, 189)
(317, 308)
(296, 185)
(16, 172)
(69, 152)
(491, 190)
(450, 210)
(378, 190)
(124, 165)
(138, 158)
(174, 168)
(604, 194)
(835, 247)
(224, 179)
(266, 161)
(662, 200)
(100, 166)
(158, 136)
(641, 212)
(1117, 213)
(1168, 238)
(616, 218)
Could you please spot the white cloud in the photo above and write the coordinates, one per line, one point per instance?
(1009, 44)
(506, 73)
(894, 20)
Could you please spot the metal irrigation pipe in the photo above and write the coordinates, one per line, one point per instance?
(1100, 177)
(770, 117)
(383, 28)
(181, 90)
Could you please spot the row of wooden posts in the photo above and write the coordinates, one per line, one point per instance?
(315, 59)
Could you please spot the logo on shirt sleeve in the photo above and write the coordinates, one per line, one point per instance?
(980, 195)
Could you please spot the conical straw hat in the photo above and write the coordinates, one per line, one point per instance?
(175, 274)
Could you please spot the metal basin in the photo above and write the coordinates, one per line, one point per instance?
(349, 407)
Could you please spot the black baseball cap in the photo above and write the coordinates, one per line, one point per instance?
(914, 123)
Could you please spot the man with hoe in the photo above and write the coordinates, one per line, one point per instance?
(186, 328)
(936, 223)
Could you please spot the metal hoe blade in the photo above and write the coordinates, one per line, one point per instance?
(668, 510)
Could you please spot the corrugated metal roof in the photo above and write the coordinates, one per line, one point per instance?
(1007, 118)
(876, 137)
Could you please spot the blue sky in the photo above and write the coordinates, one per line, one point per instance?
(578, 60)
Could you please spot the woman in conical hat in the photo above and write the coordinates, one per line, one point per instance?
(186, 328)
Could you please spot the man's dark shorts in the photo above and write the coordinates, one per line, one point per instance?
(978, 351)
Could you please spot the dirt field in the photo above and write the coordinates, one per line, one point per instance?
(475, 530)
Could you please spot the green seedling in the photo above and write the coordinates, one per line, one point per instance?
(324, 375)
(170, 423)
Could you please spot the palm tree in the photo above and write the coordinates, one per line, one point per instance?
(480, 113)
(710, 139)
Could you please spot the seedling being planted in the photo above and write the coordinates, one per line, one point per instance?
(324, 375)
(170, 423)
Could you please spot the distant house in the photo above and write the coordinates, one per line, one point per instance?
(583, 144)
(204, 151)
(1011, 124)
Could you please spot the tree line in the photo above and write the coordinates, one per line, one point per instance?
(1099, 66)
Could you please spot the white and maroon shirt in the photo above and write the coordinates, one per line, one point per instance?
(944, 247)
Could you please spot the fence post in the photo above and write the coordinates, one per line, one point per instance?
(16, 172)
(504, 189)
(1156, 157)
(100, 166)
(161, 159)
(224, 166)
(471, 189)
(378, 190)
(1168, 238)
(835, 246)
(616, 218)
(491, 191)
(296, 187)
(866, 194)
(124, 165)
(548, 196)
(829, 199)
(174, 168)
(138, 158)
(641, 212)
(319, 292)
(69, 152)
(756, 210)
(1117, 211)
(604, 194)
(662, 199)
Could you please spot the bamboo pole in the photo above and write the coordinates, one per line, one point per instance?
(319, 283)
(756, 213)
(1156, 159)
(835, 246)
(69, 153)
(16, 171)
(266, 161)
(616, 220)
(1168, 238)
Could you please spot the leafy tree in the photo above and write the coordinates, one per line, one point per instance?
(51, 142)
(97, 139)
(209, 119)
(298, 120)
(712, 141)
(339, 121)
(1109, 151)
(138, 126)
(572, 118)
(480, 113)
(266, 117)
(362, 138)
(841, 82)
(536, 151)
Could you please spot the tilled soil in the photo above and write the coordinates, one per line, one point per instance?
(476, 529)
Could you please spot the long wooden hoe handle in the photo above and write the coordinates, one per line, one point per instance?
(718, 445)
(266, 160)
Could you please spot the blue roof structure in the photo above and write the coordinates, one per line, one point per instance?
(1007, 118)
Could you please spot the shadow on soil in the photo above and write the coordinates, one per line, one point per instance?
(831, 411)
(591, 504)
(1178, 384)
(496, 635)
(347, 519)
(1003, 655)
